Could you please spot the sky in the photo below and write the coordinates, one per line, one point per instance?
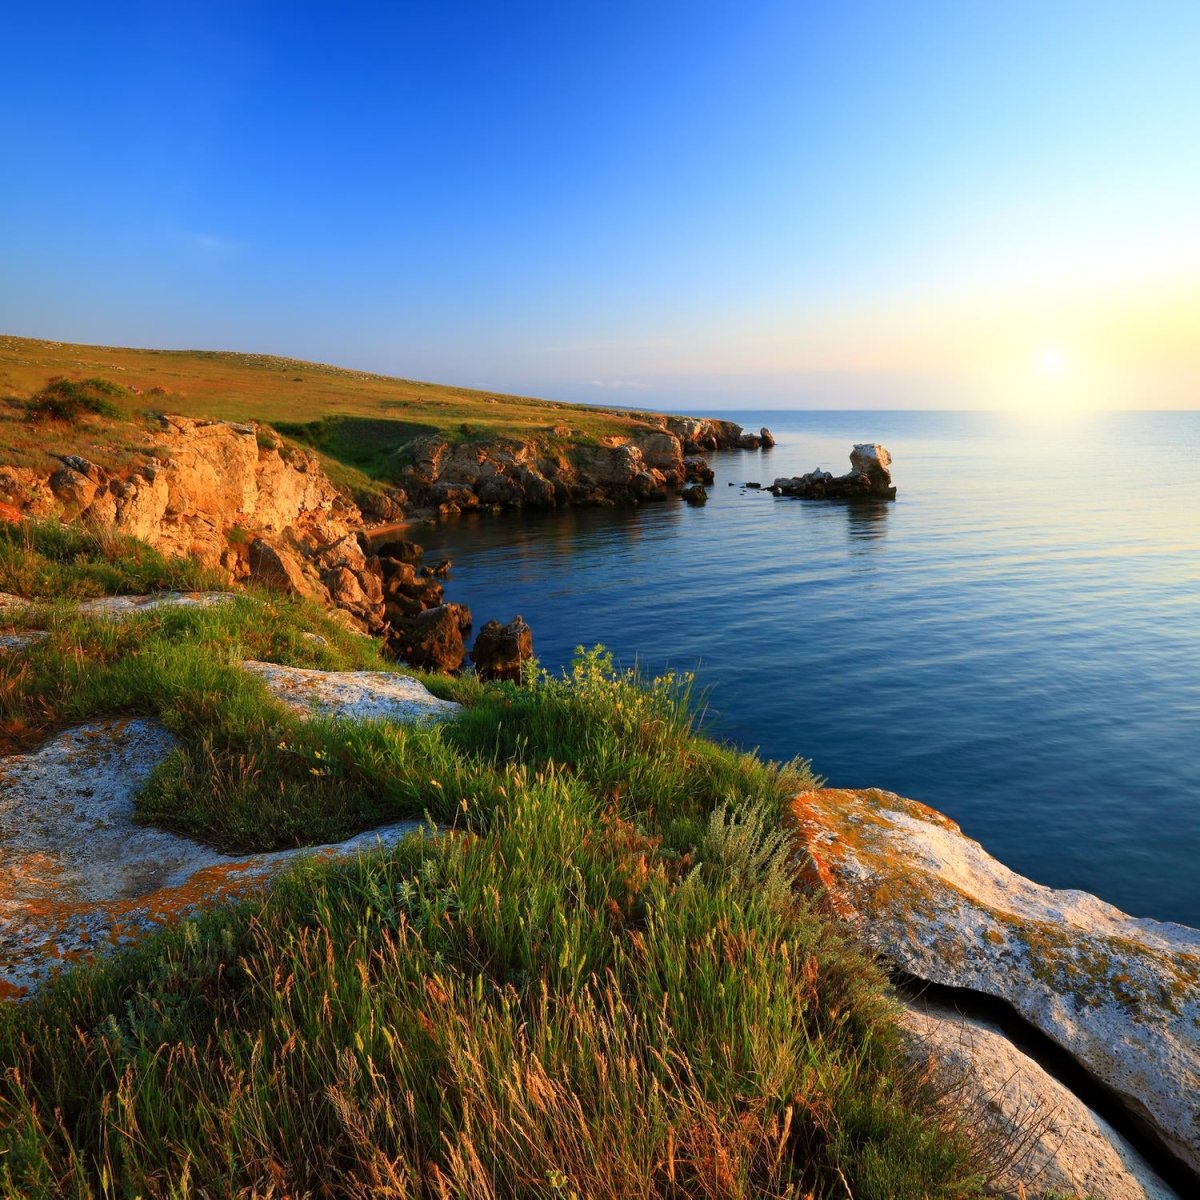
(651, 203)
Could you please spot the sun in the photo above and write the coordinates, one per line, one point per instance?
(1051, 362)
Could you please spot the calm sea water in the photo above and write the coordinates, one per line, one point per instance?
(1015, 641)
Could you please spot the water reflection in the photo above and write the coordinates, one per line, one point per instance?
(867, 519)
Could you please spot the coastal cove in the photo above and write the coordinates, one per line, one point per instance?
(1015, 641)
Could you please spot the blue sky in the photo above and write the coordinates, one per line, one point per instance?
(756, 203)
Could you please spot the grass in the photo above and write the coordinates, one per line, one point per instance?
(601, 982)
(48, 561)
(356, 419)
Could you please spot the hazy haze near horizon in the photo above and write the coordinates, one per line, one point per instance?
(768, 205)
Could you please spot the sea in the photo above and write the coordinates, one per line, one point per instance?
(1014, 641)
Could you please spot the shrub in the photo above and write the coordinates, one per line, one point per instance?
(64, 399)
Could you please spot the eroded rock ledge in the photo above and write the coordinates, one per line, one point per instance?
(1120, 994)
(79, 877)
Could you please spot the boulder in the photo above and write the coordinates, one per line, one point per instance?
(613, 464)
(277, 569)
(873, 460)
(1120, 994)
(766, 438)
(694, 493)
(695, 433)
(354, 695)
(73, 489)
(433, 639)
(500, 651)
(697, 470)
(1049, 1140)
(427, 455)
(749, 441)
(662, 451)
(402, 550)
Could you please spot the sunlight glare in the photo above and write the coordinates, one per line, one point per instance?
(1052, 362)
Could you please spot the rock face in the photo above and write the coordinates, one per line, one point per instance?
(659, 454)
(869, 478)
(1120, 994)
(229, 495)
(78, 877)
(1053, 1141)
(500, 651)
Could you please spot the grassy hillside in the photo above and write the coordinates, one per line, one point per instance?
(355, 418)
(601, 982)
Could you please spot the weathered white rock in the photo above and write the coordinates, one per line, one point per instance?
(78, 876)
(118, 607)
(1057, 1143)
(113, 607)
(870, 456)
(21, 639)
(1120, 994)
(360, 695)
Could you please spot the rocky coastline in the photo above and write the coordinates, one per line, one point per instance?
(1120, 996)
(239, 499)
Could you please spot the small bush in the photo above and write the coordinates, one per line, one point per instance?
(66, 400)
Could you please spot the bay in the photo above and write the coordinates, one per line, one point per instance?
(1015, 641)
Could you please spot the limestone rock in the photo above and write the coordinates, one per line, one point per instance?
(359, 695)
(119, 607)
(1057, 1144)
(1120, 994)
(694, 493)
(766, 438)
(277, 569)
(72, 488)
(663, 451)
(79, 877)
(201, 480)
(500, 651)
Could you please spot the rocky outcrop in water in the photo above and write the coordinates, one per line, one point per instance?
(1120, 995)
(869, 478)
(433, 640)
(501, 651)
